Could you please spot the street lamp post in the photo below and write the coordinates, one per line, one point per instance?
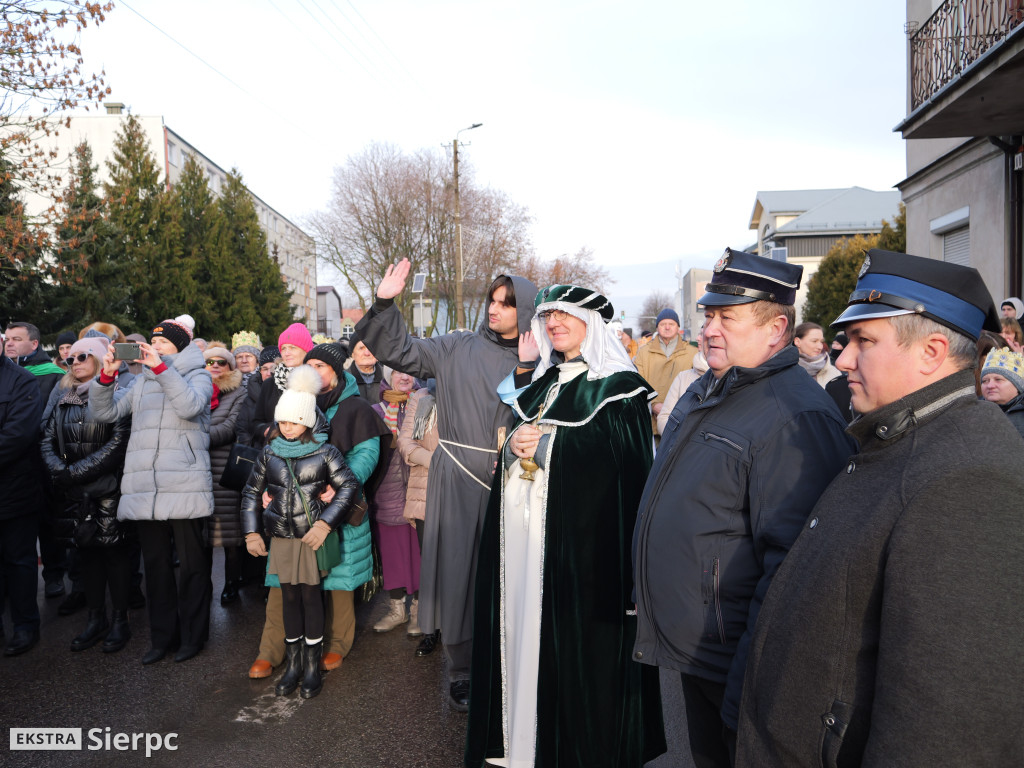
(459, 311)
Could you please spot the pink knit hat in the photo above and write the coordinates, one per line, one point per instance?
(297, 335)
(91, 346)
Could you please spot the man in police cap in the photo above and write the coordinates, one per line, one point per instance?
(744, 456)
(892, 633)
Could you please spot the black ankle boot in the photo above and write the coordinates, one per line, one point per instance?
(312, 681)
(120, 633)
(94, 631)
(292, 667)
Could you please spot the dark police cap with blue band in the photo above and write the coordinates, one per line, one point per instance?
(892, 284)
(741, 278)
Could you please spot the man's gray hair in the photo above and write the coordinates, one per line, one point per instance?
(963, 350)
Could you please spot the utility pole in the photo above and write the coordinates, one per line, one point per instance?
(460, 317)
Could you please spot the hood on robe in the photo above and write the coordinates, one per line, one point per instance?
(526, 292)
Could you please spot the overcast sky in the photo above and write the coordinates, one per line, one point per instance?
(642, 130)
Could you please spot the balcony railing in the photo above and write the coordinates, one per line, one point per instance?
(953, 38)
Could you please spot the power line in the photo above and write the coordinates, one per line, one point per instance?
(212, 68)
(386, 47)
(338, 42)
(342, 32)
(295, 26)
(203, 61)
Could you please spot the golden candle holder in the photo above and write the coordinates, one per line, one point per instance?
(530, 466)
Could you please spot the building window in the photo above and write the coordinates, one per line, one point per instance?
(956, 246)
(172, 153)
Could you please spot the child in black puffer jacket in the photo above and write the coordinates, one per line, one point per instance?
(295, 468)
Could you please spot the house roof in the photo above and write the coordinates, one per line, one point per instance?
(852, 210)
(787, 201)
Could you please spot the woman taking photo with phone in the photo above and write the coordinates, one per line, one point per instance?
(167, 486)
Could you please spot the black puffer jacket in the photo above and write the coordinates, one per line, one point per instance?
(87, 472)
(1014, 411)
(285, 516)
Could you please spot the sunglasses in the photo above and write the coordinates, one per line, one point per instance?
(211, 363)
(81, 357)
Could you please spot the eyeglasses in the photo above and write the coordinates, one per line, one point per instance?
(81, 357)
(211, 363)
(552, 314)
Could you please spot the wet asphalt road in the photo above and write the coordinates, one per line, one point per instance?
(382, 707)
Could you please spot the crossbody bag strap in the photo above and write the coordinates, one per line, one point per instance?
(305, 504)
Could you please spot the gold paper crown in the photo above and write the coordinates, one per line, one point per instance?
(246, 339)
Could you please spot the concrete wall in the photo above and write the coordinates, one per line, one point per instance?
(693, 288)
(971, 176)
(810, 265)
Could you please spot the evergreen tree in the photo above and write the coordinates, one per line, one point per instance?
(829, 289)
(24, 291)
(149, 228)
(893, 237)
(194, 208)
(246, 280)
(88, 255)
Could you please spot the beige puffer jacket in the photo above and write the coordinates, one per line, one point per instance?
(417, 455)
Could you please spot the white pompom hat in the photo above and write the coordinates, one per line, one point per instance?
(298, 402)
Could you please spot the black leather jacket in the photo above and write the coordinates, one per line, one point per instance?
(87, 472)
(285, 516)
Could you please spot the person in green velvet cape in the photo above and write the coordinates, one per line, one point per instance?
(553, 683)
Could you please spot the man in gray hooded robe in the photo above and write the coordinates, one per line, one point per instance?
(468, 367)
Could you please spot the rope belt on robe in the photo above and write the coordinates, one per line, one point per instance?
(444, 447)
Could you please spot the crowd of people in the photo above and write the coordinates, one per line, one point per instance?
(819, 537)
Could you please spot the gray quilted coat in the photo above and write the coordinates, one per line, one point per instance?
(167, 468)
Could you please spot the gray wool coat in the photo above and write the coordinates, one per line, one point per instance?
(167, 468)
(468, 367)
(892, 633)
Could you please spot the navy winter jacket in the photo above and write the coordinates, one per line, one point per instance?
(735, 476)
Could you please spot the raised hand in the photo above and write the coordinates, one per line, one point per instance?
(394, 280)
(529, 350)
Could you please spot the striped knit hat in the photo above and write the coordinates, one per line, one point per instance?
(1009, 365)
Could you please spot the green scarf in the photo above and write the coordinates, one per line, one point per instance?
(42, 369)
(294, 449)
